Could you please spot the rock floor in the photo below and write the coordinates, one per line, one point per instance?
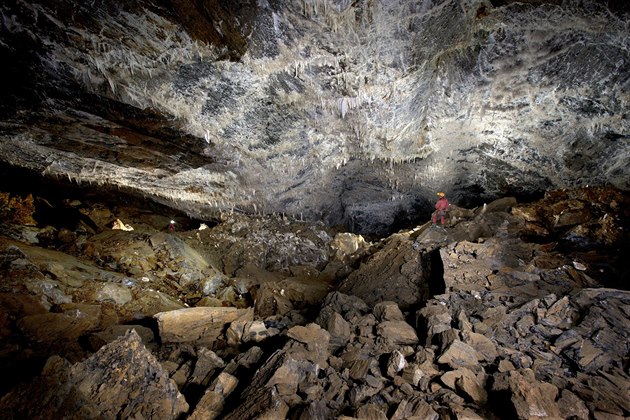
(511, 310)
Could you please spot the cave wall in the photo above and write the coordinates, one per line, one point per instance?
(350, 112)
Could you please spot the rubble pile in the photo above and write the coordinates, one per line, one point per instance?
(508, 311)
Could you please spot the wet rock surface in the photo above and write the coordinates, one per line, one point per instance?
(277, 318)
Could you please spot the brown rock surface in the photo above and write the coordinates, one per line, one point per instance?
(122, 380)
(517, 329)
(396, 273)
(202, 325)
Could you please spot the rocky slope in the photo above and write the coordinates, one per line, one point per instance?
(352, 112)
(511, 310)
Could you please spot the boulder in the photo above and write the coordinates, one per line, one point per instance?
(350, 307)
(117, 293)
(485, 347)
(371, 412)
(345, 244)
(211, 404)
(395, 363)
(122, 380)
(387, 311)
(202, 325)
(315, 343)
(262, 403)
(395, 273)
(412, 373)
(434, 318)
(206, 364)
(458, 355)
(338, 328)
(414, 408)
(397, 333)
(528, 396)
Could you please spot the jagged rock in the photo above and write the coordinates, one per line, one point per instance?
(117, 293)
(485, 348)
(212, 402)
(282, 296)
(338, 328)
(182, 373)
(451, 377)
(460, 354)
(412, 373)
(359, 368)
(571, 406)
(467, 265)
(395, 363)
(529, 397)
(387, 311)
(463, 324)
(360, 393)
(316, 410)
(472, 389)
(397, 333)
(463, 413)
(504, 204)
(208, 301)
(243, 331)
(256, 331)
(262, 403)
(371, 412)
(147, 303)
(213, 280)
(121, 380)
(415, 408)
(206, 364)
(280, 377)
(559, 314)
(435, 318)
(601, 392)
(395, 273)
(604, 312)
(346, 244)
(246, 360)
(350, 307)
(505, 366)
(446, 338)
(203, 325)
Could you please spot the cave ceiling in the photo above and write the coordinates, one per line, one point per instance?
(351, 112)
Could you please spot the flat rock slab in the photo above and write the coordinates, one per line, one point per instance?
(201, 325)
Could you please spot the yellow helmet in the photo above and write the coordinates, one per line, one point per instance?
(441, 194)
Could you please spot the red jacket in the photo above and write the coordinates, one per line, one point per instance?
(442, 204)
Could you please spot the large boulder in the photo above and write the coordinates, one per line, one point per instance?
(395, 273)
(202, 325)
(122, 380)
